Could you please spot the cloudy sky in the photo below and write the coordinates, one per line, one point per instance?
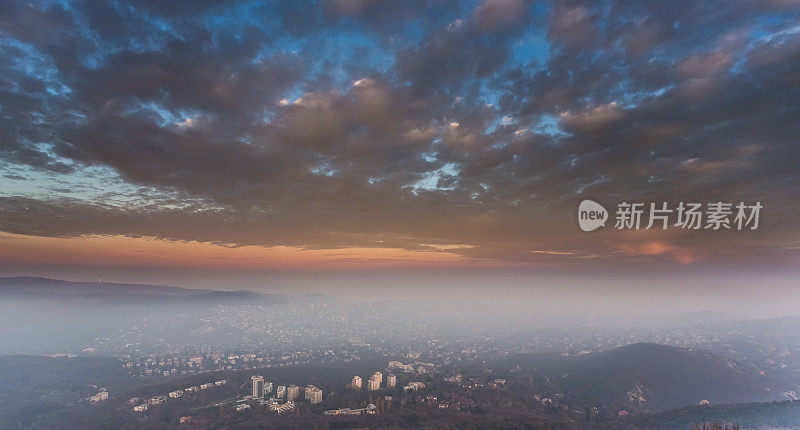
(172, 137)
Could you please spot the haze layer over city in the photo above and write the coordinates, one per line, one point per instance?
(522, 213)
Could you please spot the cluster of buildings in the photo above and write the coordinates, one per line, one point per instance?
(313, 395)
(160, 399)
(400, 366)
(414, 386)
(497, 383)
(454, 379)
(282, 408)
(261, 389)
(155, 365)
(99, 397)
(370, 409)
(417, 367)
(374, 382)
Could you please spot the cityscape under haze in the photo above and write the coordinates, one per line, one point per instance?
(340, 214)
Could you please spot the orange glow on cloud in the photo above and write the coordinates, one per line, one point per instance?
(656, 248)
(127, 251)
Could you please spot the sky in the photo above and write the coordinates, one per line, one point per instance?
(202, 143)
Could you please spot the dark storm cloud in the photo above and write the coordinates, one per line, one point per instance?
(264, 135)
(451, 56)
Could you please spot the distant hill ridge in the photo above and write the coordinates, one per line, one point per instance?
(769, 415)
(659, 377)
(57, 286)
(98, 292)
